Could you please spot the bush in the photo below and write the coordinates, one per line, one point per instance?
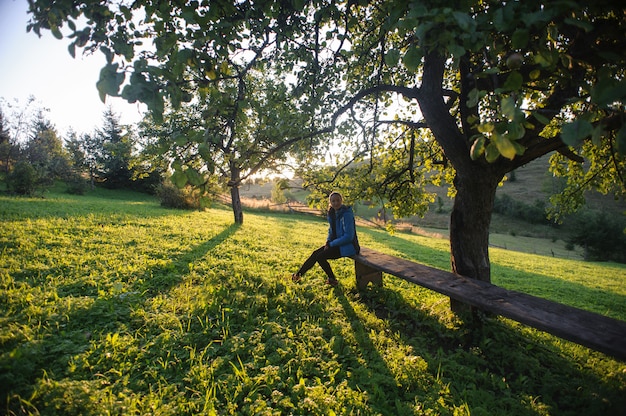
(172, 197)
(534, 214)
(601, 236)
(23, 179)
(76, 185)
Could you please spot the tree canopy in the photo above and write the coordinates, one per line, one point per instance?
(473, 89)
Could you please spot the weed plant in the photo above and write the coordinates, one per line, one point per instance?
(111, 304)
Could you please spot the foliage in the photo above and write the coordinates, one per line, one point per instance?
(534, 214)
(5, 143)
(113, 151)
(602, 236)
(76, 184)
(172, 196)
(112, 304)
(23, 179)
(44, 151)
(278, 195)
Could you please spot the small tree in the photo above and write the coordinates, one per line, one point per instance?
(5, 144)
(113, 147)
(44, 151)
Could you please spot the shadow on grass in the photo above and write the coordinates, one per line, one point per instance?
(384, 394)
(163, 279)
(490, 362)
(63, 335)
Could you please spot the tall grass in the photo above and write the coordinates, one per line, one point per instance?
(111, 304)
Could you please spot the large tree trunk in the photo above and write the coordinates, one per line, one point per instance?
(469, 224)
(475, 181)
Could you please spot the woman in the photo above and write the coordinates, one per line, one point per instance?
(341, 241)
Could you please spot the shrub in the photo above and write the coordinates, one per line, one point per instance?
(76, 185)
(278, 193)
(601, 236)
(534, 214)
(23, 179)
(173, 197)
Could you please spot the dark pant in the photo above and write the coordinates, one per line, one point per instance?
(321, 256)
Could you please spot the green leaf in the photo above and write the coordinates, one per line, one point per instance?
(608, 91)
(56, 32)
(392, 58)
(457, 51)
(573, 133)
(508, 107)
(412, 58)
(194, 177)
(179, 179)
(541, 118)
(516, 130)
(505, 146)
(519, 149)
(205, 152)
(110, 81)
(514, 81)
(520, 39)
(485, 127)
(491, 153)
(474, 97)
(586, 26)
(464, 20)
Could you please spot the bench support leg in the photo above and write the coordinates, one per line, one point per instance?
(366, 274)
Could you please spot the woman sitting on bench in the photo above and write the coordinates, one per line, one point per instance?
(341, 240)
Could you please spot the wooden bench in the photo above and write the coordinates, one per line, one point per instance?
(589, 329)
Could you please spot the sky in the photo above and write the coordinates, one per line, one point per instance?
(42, 67)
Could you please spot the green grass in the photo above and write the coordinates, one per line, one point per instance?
(111, 304)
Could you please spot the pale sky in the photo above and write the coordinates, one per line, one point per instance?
(43, 67)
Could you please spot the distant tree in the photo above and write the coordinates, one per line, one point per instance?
(5, 144)
(112, 148)
(76, 150)
(232, 129)
(44, 150)
(17, 119)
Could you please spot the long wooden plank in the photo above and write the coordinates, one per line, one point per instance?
(592, 330)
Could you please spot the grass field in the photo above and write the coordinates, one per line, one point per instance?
(110, 304)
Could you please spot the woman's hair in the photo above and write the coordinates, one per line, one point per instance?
(333, 193)
(331, 210)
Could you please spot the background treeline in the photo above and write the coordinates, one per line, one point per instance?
(600, 234)
(33, 155)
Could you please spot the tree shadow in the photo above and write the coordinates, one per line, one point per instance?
(162, 279)
(386, 394)
(66, 334)
(503, 360)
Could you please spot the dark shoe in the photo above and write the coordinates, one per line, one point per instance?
(296, 277)
(332, 282)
